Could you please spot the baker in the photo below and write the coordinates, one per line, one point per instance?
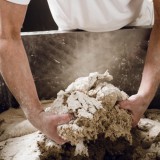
(89, 15)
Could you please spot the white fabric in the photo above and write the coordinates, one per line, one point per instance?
(146, 16)
(22, 2)
(100, 15)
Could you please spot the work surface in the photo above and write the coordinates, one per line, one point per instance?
(98, 129)
(57, 59)
(26, 145)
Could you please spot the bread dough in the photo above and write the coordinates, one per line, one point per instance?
(99, 128)
(93, 102)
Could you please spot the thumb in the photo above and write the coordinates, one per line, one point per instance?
(124, 105)
(64, 118)
(135, 121)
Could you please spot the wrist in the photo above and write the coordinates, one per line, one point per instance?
(32, 112)
(147, 90)
(145, 98)
(35, 118)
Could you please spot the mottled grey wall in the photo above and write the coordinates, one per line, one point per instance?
(57, 59)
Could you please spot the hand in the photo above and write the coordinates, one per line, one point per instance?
(47, 123)
(137, 105)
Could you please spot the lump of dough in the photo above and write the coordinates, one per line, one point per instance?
(93, 102)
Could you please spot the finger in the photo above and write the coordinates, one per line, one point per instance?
(63, 119)
(124, 105)
(57, 139)
(134, 124)
(135, 120)
(60, 141)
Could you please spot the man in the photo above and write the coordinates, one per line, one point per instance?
(73, 14)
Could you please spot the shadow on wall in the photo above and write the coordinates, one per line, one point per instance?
(38, 17)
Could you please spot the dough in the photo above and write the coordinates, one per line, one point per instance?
(99, 128)
(93, 102)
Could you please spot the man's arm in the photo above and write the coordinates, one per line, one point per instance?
(138, 103)
(16, 72)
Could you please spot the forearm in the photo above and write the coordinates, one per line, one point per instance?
(16, 72)
(138, 103)
(151, 73)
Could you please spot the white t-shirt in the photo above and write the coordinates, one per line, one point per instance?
(21, 2)
(100, 15)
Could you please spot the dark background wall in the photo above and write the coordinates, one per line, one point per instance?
(38, 17)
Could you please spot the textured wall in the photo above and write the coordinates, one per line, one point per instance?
(57, 59)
